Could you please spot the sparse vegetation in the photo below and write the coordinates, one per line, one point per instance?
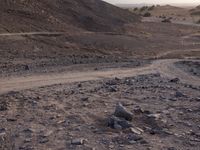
(143, 11)
(147, 8)
(143, 8)
(167, 20)
(147, 14)
(135, 9)
(151, 8)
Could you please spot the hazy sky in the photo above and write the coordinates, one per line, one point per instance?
(153, 1)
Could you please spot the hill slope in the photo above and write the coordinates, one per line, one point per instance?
(196, 11)
(93, 15)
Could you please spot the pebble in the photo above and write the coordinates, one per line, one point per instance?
(132, 142)
(166, 112)
(79, 85)
(3, 107)
(112, 89)
(171, 148)
(84, 98)
(175, 80)
(155, 116)
(11, 119)
(2, 131)
(198, 99)
(136, 130)
(77, 141)
(179, 94)
(27, 140)
(111, 146)
(138, 110)
(180, 113)
(43, 139)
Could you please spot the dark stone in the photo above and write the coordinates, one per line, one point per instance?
(175, 80)
(112, 82)
(118, 123)
(171, 148)
(112, 88)
(122, 112)
(11, 119)
(3, 106)
(133, 137)
(26, 67)
(43, 139)
(2, 131)
(77, 142)
(84, 98)
(179, 94)
(79, 85)
(138, 110)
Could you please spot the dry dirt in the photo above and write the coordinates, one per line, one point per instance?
(37, 52)
(165, 108)
(54, 111)
(60, 83)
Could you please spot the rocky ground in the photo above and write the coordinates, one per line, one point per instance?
(21, 54)
(106, 80)
(190, 66)
(164, 115)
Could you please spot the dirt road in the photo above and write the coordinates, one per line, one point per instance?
(165, 67)
(167, 53)
(33, 33)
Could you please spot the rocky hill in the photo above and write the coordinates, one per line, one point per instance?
(196, 11)
(62, 15)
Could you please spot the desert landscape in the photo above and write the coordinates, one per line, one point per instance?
(168, 13)
(88, 75)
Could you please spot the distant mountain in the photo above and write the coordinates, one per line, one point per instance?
(150, 4)
(92, 15)
(133, 5)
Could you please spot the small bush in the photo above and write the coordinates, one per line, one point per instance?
(143, 8)
(151, 8)
(168, 20)
(163, 17)
(147, 14)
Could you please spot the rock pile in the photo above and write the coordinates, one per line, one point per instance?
(121, 118)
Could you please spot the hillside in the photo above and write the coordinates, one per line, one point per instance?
(62, 15)
(196, 11)
(169, 10)
(118, 35)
